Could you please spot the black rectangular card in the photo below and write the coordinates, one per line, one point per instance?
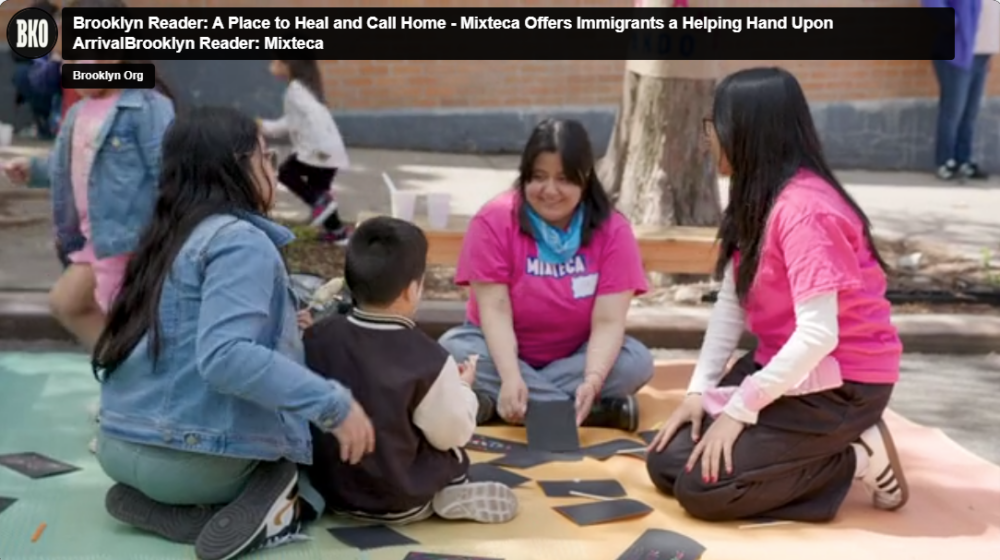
(432, 556)
(604, 511)
(369, 537)
(637, 454)
(648, 435)
(35, 465)
(592, 488)
(552, 426)
(523, 459)
(608, 449)
(527, 458)
(657, 543)
(6, 503)
(488, 444)
(485, 472)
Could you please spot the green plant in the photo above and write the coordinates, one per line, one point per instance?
(986, 261)
(305, 232)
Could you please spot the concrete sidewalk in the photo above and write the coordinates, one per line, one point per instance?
(904, 205)
(961, 218)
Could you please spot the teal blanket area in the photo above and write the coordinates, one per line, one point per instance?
(44, 402)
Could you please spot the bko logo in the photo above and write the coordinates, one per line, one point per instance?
(32, 33)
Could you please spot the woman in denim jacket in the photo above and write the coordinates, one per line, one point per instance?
(206, 405)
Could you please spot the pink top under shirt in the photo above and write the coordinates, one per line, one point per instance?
(90, 116)
(551, 304)
(814, 243)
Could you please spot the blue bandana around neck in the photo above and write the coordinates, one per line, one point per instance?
(557, 246)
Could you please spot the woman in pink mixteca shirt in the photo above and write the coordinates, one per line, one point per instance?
(553, 269)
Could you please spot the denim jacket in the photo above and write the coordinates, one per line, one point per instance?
(123, 178)
(229, 379)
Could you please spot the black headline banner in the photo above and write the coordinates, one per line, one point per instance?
(509, 33)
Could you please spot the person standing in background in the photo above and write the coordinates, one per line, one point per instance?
(962, 82)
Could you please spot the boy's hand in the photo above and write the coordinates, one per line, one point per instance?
(18, 170)
(305, 318)
(355, 435)
(467, 370)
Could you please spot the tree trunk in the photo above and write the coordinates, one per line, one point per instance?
(658, 168)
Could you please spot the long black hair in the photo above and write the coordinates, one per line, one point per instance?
(307, 72)
(767, 134)
(569, 139)
(160, 85)
(206, 170)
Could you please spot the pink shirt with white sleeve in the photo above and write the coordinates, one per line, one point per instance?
(551, 304)
(817, 306)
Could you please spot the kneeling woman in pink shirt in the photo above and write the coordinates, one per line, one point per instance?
(553, 269)
(787, 430)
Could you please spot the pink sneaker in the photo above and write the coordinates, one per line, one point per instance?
(323, 209)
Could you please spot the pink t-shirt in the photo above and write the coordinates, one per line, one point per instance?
(814, 243)
(551, 304)
(90, 116)
(108, 272)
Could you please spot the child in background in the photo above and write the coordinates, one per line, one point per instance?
(103, 172)
(318, 150)
(420, 402)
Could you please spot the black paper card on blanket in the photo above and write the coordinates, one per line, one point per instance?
(36, 465)
(523, 459)
(608, 449)
(604, 511)
(636, 454)
(591, 488)
(6, 503)
(366, 538)
(552, 426)
(433, 556)
(666, 545)
(485, 472)
(488, 444)
(648, 435)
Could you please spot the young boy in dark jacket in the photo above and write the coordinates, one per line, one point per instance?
(419, 400)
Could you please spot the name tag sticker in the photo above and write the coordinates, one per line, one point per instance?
(585, 286)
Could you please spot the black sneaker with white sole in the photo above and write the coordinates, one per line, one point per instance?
(265, 515)
(180, 524)
(948, 171)
(884, 477)
(970, 170)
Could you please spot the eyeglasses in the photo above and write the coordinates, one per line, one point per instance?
(707, 126)
(271, 156)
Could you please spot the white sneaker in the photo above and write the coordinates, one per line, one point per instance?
(94, 411)
(883, 478)
(265, 515)
(484, 502)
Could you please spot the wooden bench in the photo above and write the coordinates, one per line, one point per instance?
(673, 250)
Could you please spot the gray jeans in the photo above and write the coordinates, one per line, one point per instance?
(184, 478)
(559, 379)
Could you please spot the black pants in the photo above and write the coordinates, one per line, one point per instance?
(309, 184)
(795, 464)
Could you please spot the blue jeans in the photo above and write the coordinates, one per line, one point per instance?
(560, 379)
(961, 95)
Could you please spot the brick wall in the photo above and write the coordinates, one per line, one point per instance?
(385, 84)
